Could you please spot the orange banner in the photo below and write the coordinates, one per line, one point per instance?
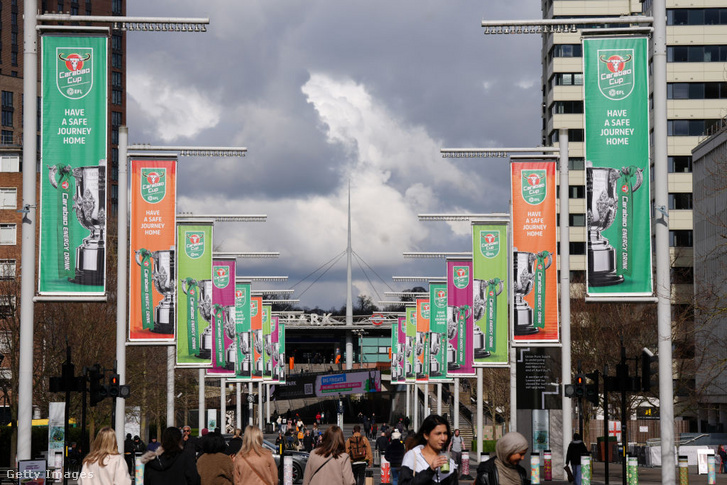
(152, 242)
(534, 240)
(422, 340)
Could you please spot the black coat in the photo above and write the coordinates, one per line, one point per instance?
(487, 474)
(576, 449)
(172, 469)
(426, 477)
(394, 453)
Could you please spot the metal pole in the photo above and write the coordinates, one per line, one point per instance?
(201, 422)
(260, 405)
(478, 431)
(250, 404)
(349, 290)
(408, 400)
(513, 389)
(566, 403)
(223, 405)
(415, 390)
(171, 350)
(267, 403)
(427, 404)
(661, 229)
(439, 398)
(606, 443)
(238, 405)
(27, 263)
(121, 302)
(456, 403)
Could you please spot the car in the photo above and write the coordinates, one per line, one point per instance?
(300, 460)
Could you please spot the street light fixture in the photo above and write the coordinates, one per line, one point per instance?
(223, 217)
(463, 217)
(437, 254)
(406, 293)
(412, 279)
(133, 24)
(266, 279)
(246, 254)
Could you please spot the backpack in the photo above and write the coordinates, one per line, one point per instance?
(358, 450)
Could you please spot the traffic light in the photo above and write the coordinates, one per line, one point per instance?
(592, 389)
(647, 358)
(98, 391)
(113, 390)
(579, 385)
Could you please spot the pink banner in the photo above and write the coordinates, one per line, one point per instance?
(460, 321)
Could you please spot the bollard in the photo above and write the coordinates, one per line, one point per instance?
(683, 470)
(465, 472)
(535, 469)
(138, 470)
(586, 470)
(548, 465)
(632, 470)
(711, 470)
(385, 471)
(288, 470)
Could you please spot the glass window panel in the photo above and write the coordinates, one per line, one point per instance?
(696, 90)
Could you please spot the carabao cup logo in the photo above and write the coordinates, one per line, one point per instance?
(489, 243)
(253, 308)
(240, 297)
(615, 73)
(194, 244)
(221, 276)
(440, 298)
(153, 184)
(425, 311)
(461, 277)
(74, 71)
(534, 188)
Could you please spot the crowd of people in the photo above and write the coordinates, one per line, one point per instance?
(432, 454)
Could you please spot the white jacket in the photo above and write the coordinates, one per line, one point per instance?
(115, 472)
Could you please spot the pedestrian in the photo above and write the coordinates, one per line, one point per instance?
(423, 462)
(318, 417)
(576, 449)
(723, 457)
(189, 442)
(329, 464)
(236, 440)
(308, 441)
(214, 466)
(153, 444)
(279, 422)
(366, 425)
(504, 468)
(394, 454)
(254, 464)
(359, 449)
(407, 422)
(456, 446)
(280, 440)
(104, 465)
(129, 452)
(139, 445)
(382, 442)
(171, 464)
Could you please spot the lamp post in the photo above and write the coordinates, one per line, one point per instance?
(30, 151)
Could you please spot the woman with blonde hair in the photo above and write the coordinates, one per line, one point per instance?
(329, 464)
(104, 465)
(254, 464)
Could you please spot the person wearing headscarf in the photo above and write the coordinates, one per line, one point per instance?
(576, 449)
(504, 468)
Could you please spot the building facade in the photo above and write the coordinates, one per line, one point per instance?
(697, 98)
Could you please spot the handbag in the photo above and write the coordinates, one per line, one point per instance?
(569, 473)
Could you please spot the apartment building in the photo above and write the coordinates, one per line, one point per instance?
(697, 98)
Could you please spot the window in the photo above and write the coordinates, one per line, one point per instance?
(680, 239)
(116, 43)
(116, 118)
(712, 90)
(680, 201)
(576, 192)
(116, 61)
(8, 109)
(8, 234)
(688, 127)
(6, 138)
(567, 107)
(116, 7)
(573, 135)
(682, 276)
(116, 96)
(567, 50)
(7, 306)
(116, 79)
(681, 164)
(577, 220)
(115, 136)
(8, 198)
(696, 16)
(7, 269)
(697, 53)
(577, 247)
(568, 79)
(9, 164)
(576, 164)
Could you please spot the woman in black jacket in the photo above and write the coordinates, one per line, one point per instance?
(422, 464)
(504, 468)
(394, 454)
(171, 464)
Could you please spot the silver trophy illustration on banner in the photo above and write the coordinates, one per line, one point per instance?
(163, 278)
(276, 360)
(524, 274)
(243, 340)
(602, 204)
(480, 305)
(89, 202)
(455, 315)
(205, 309)
(435, 349)
(259, 348)
(409, 351)
(231, 351)
(268, 348)
(421, 341)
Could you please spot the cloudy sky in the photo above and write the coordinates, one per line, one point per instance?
(324, 92)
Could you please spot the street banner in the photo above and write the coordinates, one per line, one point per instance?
(256, 327)
(267, 343)
(489, 262)
(409, 345)
(152, 241)
(534, 246)
(438, 331)
(421, 359)
(72, 250)
(460, 353)
(224, 312)
(328, 385)
(398, 351)
(618, 193)
(275, 346)
(194, 295)
(243, 332)
(56, 433)
(282, 373)
(538, 377)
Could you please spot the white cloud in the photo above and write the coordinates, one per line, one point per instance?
(175, 111)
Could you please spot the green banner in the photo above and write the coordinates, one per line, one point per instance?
(267, 343)
(409, 350)
(438, 329)
(616, 108)
(242, 332)
(194, 294)
(72, 252)
(489, 252)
